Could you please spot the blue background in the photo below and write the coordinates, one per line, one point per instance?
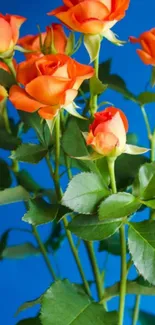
(25, 279)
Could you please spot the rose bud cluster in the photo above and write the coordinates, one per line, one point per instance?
(51, 82)
(147, 42)
(91, 16)
(53, 40)
(107, 134)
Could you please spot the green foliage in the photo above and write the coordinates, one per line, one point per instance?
(84, 192)
(29, 152)
(25, 179)
(152, 81)
(6, 79)
(96, 86)
(125, 175)
(146, 318)
(92, 45)
(55, 238)
(20, 251)
(40, 212)
(118, 206)
(41, 128)
(8, 141)
(90, 228)
(14, 194)
(62, 304)
(144, 186)
(28, 304)
(30, 321)
(111, 245)
(146, 98)
(141, 241)
(5, 175)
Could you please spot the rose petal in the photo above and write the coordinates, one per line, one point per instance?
(114, 110)
(48, 112)
(27, 71)
(47, 89)
(5, 35)
(15, 23)
(145, 57)
(105, 143)
(22, 101)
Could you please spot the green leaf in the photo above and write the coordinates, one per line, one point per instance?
(153, 77)
(30, 321)
(111, 245)
(146, 98)
(71, 109)
(8, 141)
(6, 79)
(102, 166)
(146, 318)
(84, 192)
(31, 153)
(133, 288)
(40, 212)
(55, 238)
(114, 81)
(92, 45)
(5, 176)
(132, 138)
(125, 175)
(145, 185)
(90, 228)
(149, 203)
(135, 150)
(26, 180)
(70, 44)
(28, 304)
(3, 242)
(118, 206)
(96, 86)
(62, 304)
(141, 241)
(14, 194)
(74, 144)
(33, 120)
(20, 251)
(111, 36)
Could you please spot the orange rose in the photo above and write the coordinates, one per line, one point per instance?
(51, 82)
(54, 35)
(91, 16)
(9, 33)
(107, 134)
(147, 42)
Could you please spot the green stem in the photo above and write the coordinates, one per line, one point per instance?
(44, 253)
(136, 310)
(152, 142)
(111, 166)
(94, 98)
(95, 269)
(76, 256)
(55, 177)
(146, 120)
(123, 275)
(10, 65)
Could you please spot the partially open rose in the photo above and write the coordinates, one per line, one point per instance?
(9, 32)
(54, 35)
(147, 42)
(51, 82)
(107, 134)
(91, 16)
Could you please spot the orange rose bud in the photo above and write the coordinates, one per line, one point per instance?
(147, 42)
(9, 33)
(53, 40)
(107, 134)
(51, 82)
(91, 16)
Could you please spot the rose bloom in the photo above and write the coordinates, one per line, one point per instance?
(91, 16)
(147, 42)
(9, 32)
(51, 82)
(107, 134)
(54, 35)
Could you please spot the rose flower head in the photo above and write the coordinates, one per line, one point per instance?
(91, 16)
(54, 39)
(9, 33)
(51, 83)
(107, 134)
(147, 42)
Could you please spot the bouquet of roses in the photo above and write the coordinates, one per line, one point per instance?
(110, 178)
